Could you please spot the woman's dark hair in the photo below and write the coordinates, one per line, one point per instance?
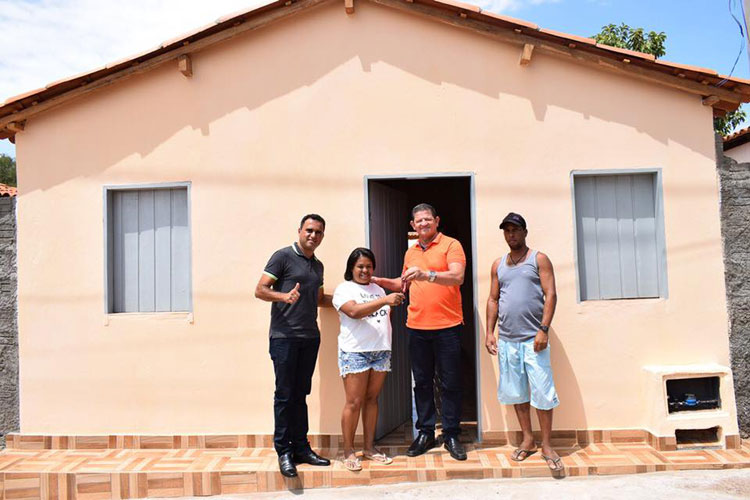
(353, 257)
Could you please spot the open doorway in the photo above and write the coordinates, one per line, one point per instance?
(389, 203)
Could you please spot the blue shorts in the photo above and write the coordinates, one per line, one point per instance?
(358, 362)
(525, 375)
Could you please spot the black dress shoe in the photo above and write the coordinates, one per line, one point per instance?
(286, 465)
(310, 457)
(420, 445)
(454, 447)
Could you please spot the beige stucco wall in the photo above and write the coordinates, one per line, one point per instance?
(740, 153)
(288, 120)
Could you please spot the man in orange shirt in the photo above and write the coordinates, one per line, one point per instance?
(433, 272)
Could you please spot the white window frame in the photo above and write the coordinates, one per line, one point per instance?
(108, 271)
(661, 253)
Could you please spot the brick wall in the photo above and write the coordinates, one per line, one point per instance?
(8, 319)
(734, 180)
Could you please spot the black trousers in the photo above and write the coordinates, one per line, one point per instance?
(293, 363)
(439, 350)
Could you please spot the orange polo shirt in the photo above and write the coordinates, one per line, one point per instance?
(433, 306)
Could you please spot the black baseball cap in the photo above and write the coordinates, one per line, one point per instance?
(515, 219)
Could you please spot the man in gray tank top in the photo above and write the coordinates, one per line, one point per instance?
(522, 303)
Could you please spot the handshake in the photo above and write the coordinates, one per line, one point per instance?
(414, 273)
(403, 283)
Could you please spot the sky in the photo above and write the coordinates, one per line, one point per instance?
(46, 40)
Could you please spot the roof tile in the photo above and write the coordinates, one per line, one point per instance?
(244, 12)
(735, 79)
(184, 36)
(741, 132)
(6, 190)
(74, 77)
(459, 5)
(21, 96)
(568, 36)
(511, 20)
(632, 53)
(686, 67)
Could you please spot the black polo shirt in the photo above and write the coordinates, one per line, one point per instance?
(288, 267)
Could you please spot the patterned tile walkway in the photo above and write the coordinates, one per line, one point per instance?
(127, 473)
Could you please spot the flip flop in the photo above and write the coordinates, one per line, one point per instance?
(353, 464)
(554, 464)
(519, 454)
(379, 457)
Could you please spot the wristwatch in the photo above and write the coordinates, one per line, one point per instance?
(544, 328)
(432, 277)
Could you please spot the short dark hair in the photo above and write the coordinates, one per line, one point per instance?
(314, 217)
(354, 257)
(423, 207)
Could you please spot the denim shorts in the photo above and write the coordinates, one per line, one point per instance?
(358, 362)
(525, 375)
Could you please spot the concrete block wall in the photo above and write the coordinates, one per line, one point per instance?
(9, 418)
(734, 179)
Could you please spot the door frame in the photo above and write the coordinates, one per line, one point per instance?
(472, 209)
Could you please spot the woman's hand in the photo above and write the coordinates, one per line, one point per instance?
(395, 299)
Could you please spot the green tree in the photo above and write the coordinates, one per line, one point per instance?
(625, 37)
(724, 125)
(7, 170)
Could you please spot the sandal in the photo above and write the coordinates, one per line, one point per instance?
(554, 464)
(378, 457)
(353, 464)
(519, 454)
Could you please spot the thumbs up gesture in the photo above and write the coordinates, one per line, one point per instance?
(293, 295)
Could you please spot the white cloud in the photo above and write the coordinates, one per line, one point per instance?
(45, 40)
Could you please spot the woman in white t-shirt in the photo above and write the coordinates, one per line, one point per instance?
(364, 352)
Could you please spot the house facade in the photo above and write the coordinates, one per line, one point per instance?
(736, 146)
(153, 191)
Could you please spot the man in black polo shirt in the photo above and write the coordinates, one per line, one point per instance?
(293, 282)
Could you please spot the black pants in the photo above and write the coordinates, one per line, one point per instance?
(294, 364)
(441, 350)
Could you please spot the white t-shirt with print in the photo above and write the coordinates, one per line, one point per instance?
(372, 333)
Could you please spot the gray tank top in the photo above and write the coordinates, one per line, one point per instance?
(521, 301)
